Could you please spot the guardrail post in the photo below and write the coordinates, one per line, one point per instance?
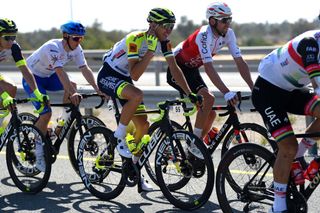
(313, 151)
(158, 69)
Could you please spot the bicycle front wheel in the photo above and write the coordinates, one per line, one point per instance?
(87, 122)
(149, 167)
(179, 165)
(251, 167)
(21, 159)
(99, 163)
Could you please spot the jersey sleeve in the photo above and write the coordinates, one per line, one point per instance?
(308, 49)
(232, 45)
(80, 60)
(203, 43)
(133, 43)
(17, 55)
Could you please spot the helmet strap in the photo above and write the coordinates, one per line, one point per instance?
(67, 40)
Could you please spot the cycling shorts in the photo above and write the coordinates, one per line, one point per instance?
(51, 83)
(193, 77)
(112, 83)
(273, 103)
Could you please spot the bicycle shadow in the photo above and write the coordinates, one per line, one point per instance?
(73, 197)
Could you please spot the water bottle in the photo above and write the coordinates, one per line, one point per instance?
(211, 135)
(59, 127)
(51, 130)
(312, 169)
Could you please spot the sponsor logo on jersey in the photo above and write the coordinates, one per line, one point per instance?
(133, 47)
(203, 41)
(284, 63)
(118, 54)
(311, 49)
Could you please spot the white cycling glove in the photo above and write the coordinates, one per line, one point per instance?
(229, 95)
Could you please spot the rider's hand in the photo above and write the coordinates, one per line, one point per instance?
(6, 99)
(196, 99)
(40, 97)
(103, 95)
(75, 98)
(166, 48)
(152, 42)
(231, 98)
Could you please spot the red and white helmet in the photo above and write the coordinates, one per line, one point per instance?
(218, 10)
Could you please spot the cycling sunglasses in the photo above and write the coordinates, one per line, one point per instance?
(9, 37)
(225, 20)
(167, 26)
(77, 38)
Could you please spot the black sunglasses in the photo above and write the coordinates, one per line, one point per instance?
(77, 38)
(9, 38)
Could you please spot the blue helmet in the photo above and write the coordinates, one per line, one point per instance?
(73, 28)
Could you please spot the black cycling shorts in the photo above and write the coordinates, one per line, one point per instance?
(273, 103)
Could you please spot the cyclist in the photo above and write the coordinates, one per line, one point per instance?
(46, 64)
(9, 46)
(197, 50)
(281, 88)
(127, 61)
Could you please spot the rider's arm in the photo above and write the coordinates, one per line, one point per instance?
(28, 76)
(244, 71)
(177, 74)
(309, 50)
(215, 78)
(137, 67)
(88, 75)
(65, 81)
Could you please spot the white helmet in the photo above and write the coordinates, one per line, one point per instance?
(218, 10)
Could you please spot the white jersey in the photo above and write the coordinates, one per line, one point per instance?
(133, 46)
(294, 64)
(52, 55)
(201, 45)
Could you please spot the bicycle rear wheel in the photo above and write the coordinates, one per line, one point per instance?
(250, 166)
(21, 160)
(99, 163)
(88, 121)
(197, 174)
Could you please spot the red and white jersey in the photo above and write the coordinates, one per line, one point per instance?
(294, 64)
(52, 55)
(200, 46)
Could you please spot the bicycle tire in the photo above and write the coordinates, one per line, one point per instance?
(148, 166)
(254, 133)
(196, 170)
(88, 121)
(237, 198)
(31, 180)
(104, 183)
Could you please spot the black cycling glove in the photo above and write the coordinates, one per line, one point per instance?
(166, 48)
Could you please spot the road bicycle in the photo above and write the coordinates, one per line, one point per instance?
(231, 133)
(105, 173)
(251, 166)
(20, 151)
(70, 130)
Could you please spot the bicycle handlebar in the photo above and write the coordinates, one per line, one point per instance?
(22, 101)
(164, 106)
(84, 96)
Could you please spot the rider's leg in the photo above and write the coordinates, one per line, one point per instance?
(6, 86)
(205, 116)
(281, 170)
(142, 126)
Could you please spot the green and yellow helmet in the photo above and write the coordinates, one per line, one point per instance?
(161, 15)
(7, 26)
